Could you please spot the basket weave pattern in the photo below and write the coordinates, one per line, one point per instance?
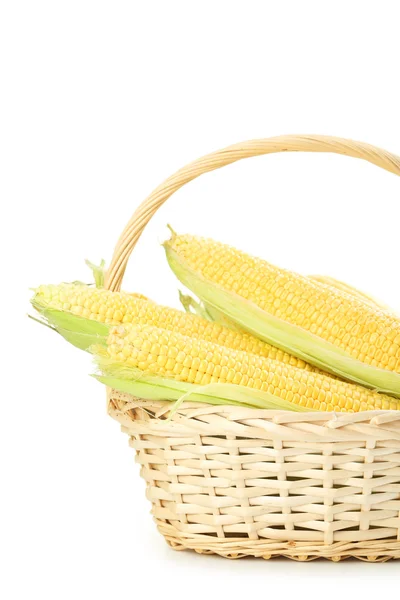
(244, 482)
(239, 482)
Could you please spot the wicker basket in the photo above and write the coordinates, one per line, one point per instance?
(244, 482)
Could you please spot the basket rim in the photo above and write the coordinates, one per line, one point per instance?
(329, 421)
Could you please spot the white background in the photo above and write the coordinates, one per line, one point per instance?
(100, 101)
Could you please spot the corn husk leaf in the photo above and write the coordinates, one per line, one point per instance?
(78, 331)
(206, 311)
(98, 272)
(194, 307)
(281, 334)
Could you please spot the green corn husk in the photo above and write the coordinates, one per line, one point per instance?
(78, 331)
(285, 336)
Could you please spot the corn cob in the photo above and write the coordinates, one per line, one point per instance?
(170, 354)
(322, 325)
(120, 307)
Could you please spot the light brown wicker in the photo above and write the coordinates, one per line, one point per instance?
(244, 482)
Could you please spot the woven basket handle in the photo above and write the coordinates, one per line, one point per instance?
(226, 156)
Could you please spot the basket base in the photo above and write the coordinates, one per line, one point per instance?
(376, 551)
